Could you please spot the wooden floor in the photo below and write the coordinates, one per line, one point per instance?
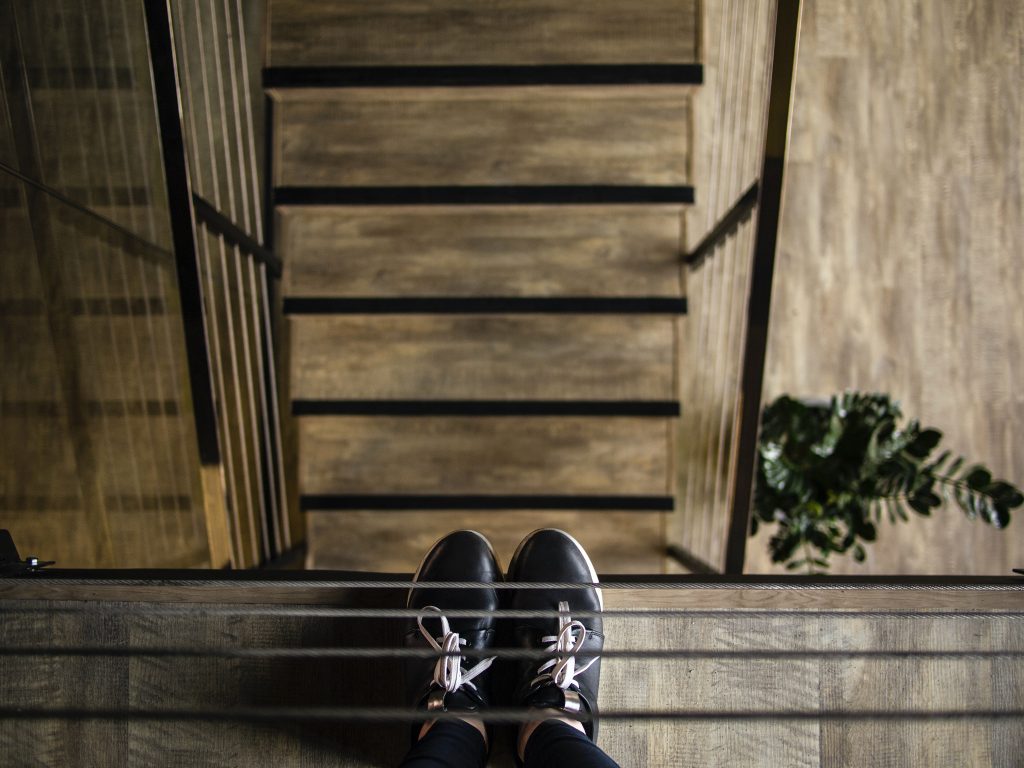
(877, 675)
(899, 265)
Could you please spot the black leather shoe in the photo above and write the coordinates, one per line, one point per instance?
(561, 680)
(452, 683)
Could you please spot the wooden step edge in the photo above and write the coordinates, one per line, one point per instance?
(564, 194)
(446, 305)
(446, 502)
(682, 597)
(604, 408)
(482, 75)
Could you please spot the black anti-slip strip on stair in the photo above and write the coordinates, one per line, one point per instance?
(486, 75)
(462, 305)
(444, 502)
(486, 195)
(663, 408)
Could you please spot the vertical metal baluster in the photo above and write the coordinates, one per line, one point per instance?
(101, 414)
(243, 385)
(249, 219)
(150, 447)
(268, 348)
(153, 359)
(243, 469)
(210, 299)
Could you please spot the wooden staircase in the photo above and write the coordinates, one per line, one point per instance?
(479, 211)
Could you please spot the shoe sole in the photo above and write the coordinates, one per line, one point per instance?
(586, 557)
(423, 562)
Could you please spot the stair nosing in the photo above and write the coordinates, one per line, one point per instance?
(441, 502)
(555, 408)
(489, 75)
(446, 305)
(519, 194)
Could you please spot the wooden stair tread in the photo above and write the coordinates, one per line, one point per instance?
(480, 250)
(481, 136)
(542, 357)
(361, 32)
(395, 541)
(486, 455)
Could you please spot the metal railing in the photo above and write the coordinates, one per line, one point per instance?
(206, 107)
(730, 268)
(140, 417)
(96, 428)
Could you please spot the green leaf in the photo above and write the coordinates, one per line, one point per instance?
(953, 468)
(935, 466)
(978, 478)
(868, 532)
(859, 554)
(924, 443)
(919, 505)
(753, 525)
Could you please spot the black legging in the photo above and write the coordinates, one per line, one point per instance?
(455, 744)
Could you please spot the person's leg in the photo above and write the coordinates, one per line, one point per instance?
(456, 679)
(565, 681)
(447, 744)
(557, 744)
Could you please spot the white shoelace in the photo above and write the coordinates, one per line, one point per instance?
(564, 645)
(448, 672)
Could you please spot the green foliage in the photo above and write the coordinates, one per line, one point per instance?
(828, 474)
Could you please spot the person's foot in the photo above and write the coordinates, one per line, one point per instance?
(565, 681)
(457, 679)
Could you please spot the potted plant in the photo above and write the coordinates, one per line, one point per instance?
(827, 474)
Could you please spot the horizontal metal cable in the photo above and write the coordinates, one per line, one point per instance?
(553, 585)
(501, 653)
(494, 715)
(205, 609)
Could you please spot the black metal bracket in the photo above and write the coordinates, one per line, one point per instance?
(11, 563)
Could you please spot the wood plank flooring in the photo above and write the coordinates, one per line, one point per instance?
(833, 653)
(899, 264)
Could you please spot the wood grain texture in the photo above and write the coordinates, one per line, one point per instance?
(763, 595)
(481, 136)
(358, 32)
(486, 357)
(733, 681)
(485, 455)
(480, 250)
(396, 541)
(899, 264)
(712, 333)
(729, 109)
